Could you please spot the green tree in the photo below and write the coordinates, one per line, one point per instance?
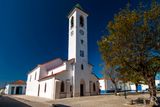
(133, 43)
(131, 76)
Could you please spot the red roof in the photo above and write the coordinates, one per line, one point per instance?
(71, 61)
(50, 61)
(19, 82)
(50, 75)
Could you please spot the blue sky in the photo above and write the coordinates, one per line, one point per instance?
(36, 31)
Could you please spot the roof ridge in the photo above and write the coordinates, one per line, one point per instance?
(50, 61)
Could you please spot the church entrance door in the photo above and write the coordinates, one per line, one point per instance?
(82, 87)
(81, 90)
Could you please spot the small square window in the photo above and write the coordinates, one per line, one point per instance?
(81, 53)
(82, 41)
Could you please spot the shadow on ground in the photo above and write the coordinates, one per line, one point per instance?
(158, 100)
(60, 105)
(9, 102)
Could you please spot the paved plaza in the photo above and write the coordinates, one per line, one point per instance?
(89, 101)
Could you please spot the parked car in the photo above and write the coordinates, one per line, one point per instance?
(158, 87)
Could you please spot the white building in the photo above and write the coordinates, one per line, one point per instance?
(17, 87)
(106, 85)
(144, 87)
(70, 78)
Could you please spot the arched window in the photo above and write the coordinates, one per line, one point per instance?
(94, 87)
(62, 86)
(70, 88)
(30, 78)
(38, 89)
(82, 67)
(35, 75)
(72, 21)
(81, 21)
(45, 87)
(82, 41)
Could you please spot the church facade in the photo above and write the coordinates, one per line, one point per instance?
(67, 78)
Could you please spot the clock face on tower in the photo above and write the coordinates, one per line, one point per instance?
(81, 32)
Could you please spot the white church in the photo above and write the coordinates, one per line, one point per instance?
(67, 78)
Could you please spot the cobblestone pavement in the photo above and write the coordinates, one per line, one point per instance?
(89, 101)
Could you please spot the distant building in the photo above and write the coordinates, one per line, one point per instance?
(106, 85)
(17, 87)
(144, 87)
(67, 78)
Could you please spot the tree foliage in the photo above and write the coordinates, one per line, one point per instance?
(133, 43)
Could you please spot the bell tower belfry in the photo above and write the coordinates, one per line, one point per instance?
(78, 49)
(78, 35)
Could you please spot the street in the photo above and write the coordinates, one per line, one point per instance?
(6, 101)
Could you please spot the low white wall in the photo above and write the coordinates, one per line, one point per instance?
(50, 84)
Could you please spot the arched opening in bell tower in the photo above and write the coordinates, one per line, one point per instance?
(81, 21)
(72, 21)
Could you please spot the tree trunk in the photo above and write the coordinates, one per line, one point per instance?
(152, 87)
(115, 85)
(136, 87)
(115, 91)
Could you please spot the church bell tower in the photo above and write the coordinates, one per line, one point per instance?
(78, 49)
(78, 35)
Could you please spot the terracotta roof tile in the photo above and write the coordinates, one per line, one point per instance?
(50, 75)
(19, 82)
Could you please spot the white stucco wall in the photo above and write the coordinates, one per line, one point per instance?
(102, 84)
(50, 84)
(32, 82)
(72, 39)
